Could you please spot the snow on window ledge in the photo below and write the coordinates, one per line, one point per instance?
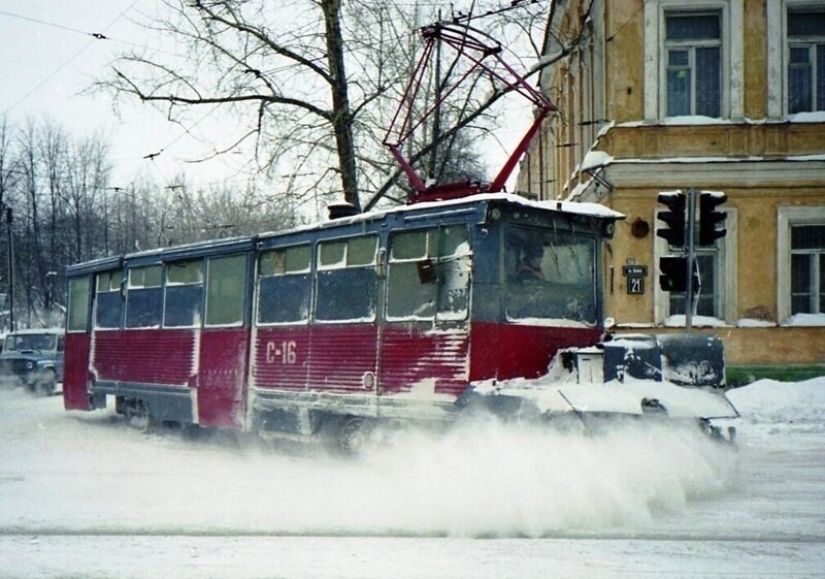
(754, 323)
(805, 320)
(697, 322)
(808, 117)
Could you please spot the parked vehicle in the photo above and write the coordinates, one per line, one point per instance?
(33, 358)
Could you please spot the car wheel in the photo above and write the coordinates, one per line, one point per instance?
(47, 384)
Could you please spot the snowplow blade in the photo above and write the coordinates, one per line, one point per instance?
(630, 398)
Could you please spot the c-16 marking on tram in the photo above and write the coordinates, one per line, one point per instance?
(467, 298)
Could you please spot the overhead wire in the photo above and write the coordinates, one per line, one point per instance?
(96, 36)
(186, 129)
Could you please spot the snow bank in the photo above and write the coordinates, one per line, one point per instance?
(772, 402)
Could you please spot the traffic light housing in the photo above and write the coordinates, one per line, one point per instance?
(709, 217)
(674, 218)
(673, 274)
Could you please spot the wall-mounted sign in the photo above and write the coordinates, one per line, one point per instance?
(635, 275)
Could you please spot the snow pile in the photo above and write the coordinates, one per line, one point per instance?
(772, 403)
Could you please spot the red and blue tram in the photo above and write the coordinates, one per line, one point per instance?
(386, 315)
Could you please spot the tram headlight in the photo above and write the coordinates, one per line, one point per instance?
(609, 229)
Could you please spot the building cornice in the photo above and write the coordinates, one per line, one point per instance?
(802, 171)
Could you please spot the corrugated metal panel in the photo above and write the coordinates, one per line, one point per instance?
(280, 357)
(147, 356)
(344, 357)
(414, 355)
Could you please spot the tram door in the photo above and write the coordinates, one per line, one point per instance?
(224, 343)
(425, 339)
(78, 344)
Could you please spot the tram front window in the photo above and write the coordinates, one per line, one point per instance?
(549, 275)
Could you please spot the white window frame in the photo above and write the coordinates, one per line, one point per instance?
(725, 264)
(786, 218)
(779, 53)
(732, 65)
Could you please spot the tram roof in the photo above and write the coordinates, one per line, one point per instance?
(570, 207)
(222, 245)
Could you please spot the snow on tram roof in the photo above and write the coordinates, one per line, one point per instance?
(573, 207)
(576, 207)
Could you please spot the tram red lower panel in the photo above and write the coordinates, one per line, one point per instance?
(336, 358)
(221, 378)
(150, 356)
(506, 351)
(344, 359)
(76, 372)
(415, 355)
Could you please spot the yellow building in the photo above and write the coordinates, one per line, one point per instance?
(713, 95)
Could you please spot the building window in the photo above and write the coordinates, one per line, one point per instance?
(717, 273)
(808, 269)
(801, 265)
(693, 61)
(709, 300)
(806, 61)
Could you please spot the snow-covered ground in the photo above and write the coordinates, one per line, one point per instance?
(88, 495)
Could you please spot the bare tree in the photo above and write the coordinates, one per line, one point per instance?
(256, 59)
(314, 82)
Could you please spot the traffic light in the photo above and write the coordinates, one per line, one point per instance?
(709, 217)
(673, 274)
(674, 218)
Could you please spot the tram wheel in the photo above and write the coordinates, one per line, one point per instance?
(353, 435)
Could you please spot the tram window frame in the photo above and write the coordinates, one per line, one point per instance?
(429, 277)
(144, 297)
(109, 300)
(77, 316)
(183, 293)
(225, 291)
(284, 285)
(565, 288)
(346, 280)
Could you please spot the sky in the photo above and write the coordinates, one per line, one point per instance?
(50, 57)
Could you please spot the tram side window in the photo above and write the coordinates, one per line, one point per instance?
(429, 274)
(109, 300)
(347, 280)
(78, 314)
(144, 297)
(225, 284)
(284, 285)
(184, 294)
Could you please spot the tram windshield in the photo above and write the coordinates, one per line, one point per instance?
(549, 275)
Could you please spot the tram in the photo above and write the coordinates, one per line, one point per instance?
(392, 314)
